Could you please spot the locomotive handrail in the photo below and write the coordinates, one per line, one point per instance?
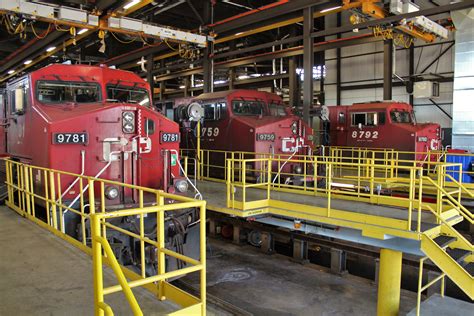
(35, 193)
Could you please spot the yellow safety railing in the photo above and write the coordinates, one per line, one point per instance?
(243, 193)
(429, 160)
(422, 288)
(388, 164)
(245, 176)
(37, 194)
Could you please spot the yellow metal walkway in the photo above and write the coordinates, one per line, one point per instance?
(44, 275)
(358, 209)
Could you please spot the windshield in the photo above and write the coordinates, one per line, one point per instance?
(248, 107)
(401, 116)
(128, 95)
(277, 109)
(66, 91)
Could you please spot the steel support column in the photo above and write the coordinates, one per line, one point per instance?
(186, 86)
(231, 78)
(292, 84)
(338, 64)
(207, 67)
(387, 69)
(162, 90)
(390, 273)
(149, 75)
(308, 61)
(207, 70)
(411, 70)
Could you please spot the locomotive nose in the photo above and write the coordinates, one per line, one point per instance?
(431, 136)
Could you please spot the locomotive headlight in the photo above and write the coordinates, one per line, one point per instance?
(298, 169)
(128, 122)
(181, 186)
(111, 192)
(294, 127)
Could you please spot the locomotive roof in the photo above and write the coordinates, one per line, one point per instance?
(226, 93)
(99, 73)
(378, 105)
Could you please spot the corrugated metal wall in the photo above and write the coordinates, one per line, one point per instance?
(463, 113)
(368, 69)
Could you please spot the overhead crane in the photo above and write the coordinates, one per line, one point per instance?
(87, 21)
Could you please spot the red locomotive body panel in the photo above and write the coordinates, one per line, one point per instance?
(54, 132)
(245, 121)
(382, 125)
(252, 121)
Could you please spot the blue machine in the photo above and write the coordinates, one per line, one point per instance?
(467, 167)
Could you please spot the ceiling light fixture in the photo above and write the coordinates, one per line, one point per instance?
(11, 71)
(131, 4)
(50, 49)
(82, 31)
(330, 9)
(29, 61)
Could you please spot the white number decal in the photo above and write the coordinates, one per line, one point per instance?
(60, 138)
(365, 134)
(210, 131)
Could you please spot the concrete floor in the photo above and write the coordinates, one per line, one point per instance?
(44, 275)
(444, 306)
(274, 285)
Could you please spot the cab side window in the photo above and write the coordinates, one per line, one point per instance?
(381, 118)
(366, 119)
(17, 100)
(358, 118)
(214, 111)
(341, 118)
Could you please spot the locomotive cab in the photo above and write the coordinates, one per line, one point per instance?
(246, 121)
(98, 122)
(382, 125)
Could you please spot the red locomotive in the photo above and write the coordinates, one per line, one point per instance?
(94, 121)
(386, 124)
(245, 121)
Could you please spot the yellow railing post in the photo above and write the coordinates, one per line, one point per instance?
(420, 203)
(142, 235)
(32, 191)
(244, 174)
(97, 265)
(160, 235)
(411, 196)
(96, 253)
(328, 186)
(269, 176)
(372, 177)
(202, 242)
(53, 200)
(420, 284)
(27, 189)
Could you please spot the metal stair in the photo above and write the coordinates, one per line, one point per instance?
(446, 247)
